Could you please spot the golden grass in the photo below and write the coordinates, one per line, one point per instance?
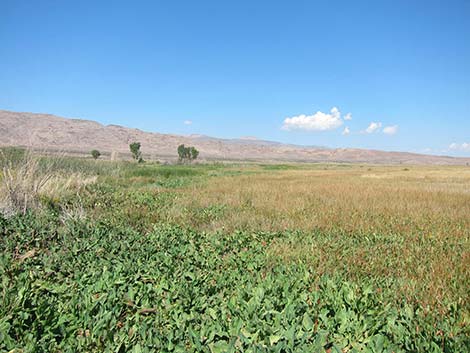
(25, 182)
(425, 200)
(412, 226)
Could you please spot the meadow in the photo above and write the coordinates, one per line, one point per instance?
(104, 256)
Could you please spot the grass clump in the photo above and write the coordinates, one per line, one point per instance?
(22, 182)
(28, 179)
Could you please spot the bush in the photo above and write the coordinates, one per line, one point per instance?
(95, 154)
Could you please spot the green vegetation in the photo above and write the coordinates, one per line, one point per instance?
(136, 152)
(95, 154)
(11, 156)
(187, 154)
(237, 258)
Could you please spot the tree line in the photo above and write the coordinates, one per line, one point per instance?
(186, 154)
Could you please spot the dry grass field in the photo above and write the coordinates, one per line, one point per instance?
(431, 200)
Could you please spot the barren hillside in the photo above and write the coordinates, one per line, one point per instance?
(53, 133)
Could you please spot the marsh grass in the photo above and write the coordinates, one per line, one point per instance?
(402, 236)
(410, 227)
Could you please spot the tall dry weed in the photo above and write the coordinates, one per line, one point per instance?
(25, 181)
(21, 183)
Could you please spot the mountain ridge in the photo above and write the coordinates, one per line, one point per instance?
(54, 133)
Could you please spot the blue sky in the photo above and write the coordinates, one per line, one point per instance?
(288, 71)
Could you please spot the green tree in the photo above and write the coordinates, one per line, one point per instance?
(194, 153)
(95, 154)
(181, 153)
(187, 154)
(135, 150)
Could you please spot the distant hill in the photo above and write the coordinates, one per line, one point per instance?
(52, 133)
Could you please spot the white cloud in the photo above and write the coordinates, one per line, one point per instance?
(390, 130)
(373, 127)
(188, 122)
(460, 146)
(317, 122)
(348, 116)
(346, 131)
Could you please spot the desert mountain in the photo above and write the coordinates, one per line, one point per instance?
(53, 133)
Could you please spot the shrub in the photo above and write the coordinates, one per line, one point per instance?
(95, 154)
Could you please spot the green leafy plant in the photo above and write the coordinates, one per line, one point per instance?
(180, 290)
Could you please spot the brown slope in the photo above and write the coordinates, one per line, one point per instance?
(49, 132)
